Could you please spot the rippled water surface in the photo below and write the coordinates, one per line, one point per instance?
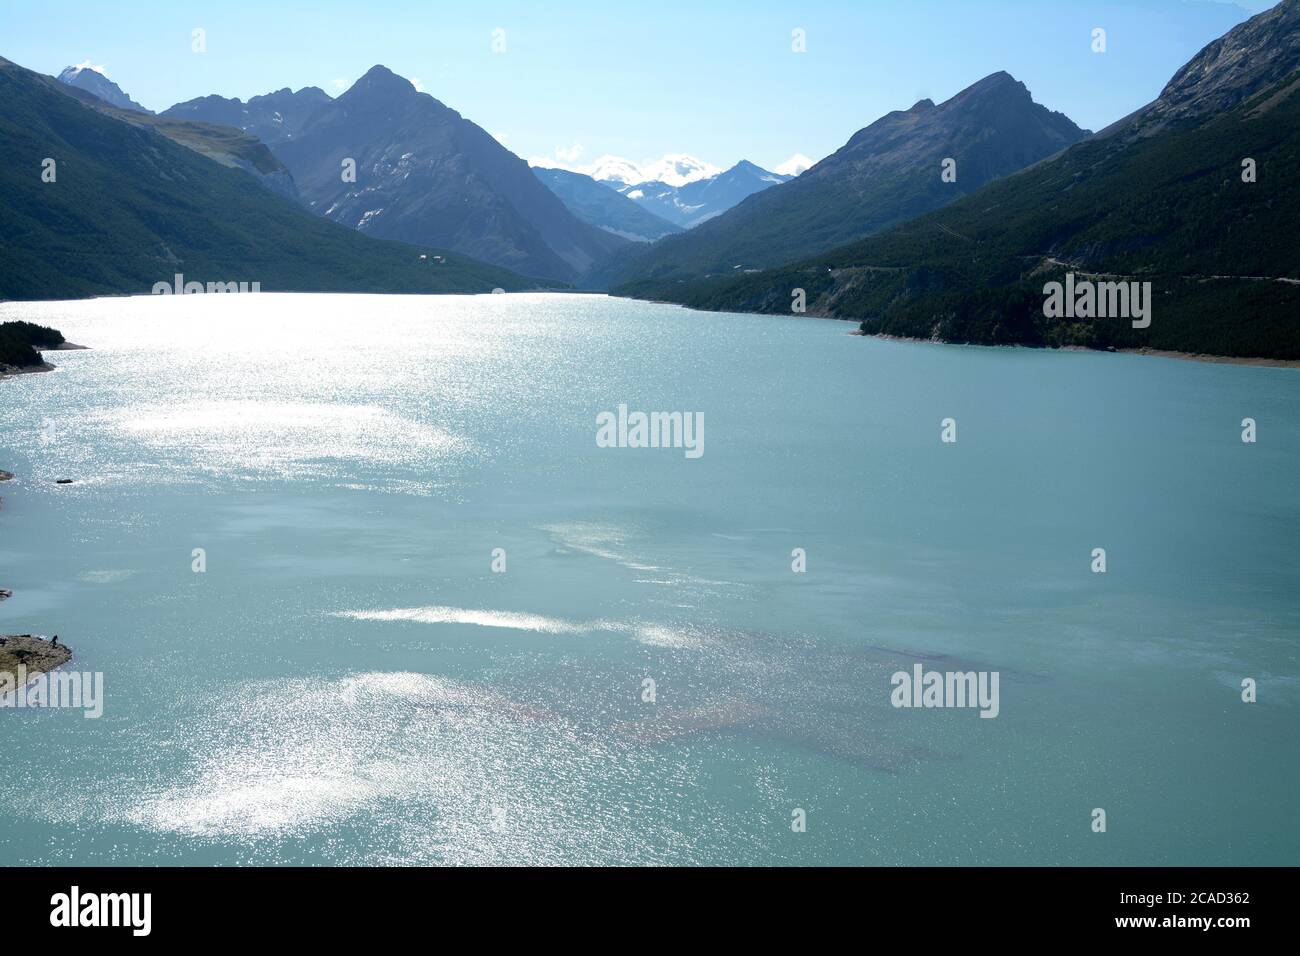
(349, 682)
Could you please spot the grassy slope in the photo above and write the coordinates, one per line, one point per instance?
(226, 144)
(131, 208)
(1160, 209)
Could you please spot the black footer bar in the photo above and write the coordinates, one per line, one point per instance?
(1219, 906)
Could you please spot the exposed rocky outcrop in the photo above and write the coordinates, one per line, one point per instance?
(34, 653)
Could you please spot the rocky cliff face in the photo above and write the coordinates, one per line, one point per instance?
(1259, 52)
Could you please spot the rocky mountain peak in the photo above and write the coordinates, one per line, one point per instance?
(1254, 54)
(379, 80)
(85, 77)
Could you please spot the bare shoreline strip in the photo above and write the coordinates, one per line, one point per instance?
(1153, 353)
(1211, 359)
(9, 371)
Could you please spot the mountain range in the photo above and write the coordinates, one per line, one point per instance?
(1197, 193)
(272, 118)
(675, 169)
(887, 173)
(423, 175)
(98, 205)
(702, 198)
(678, 189)
(603, 206)
(942, 221)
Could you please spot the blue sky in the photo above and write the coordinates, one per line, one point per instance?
(713, 78)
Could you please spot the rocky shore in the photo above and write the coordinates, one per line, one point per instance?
(23, 344)
(34, 653)
(7, 370)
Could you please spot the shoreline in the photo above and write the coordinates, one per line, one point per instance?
(11, 371)
(1257, 362)
(8, 371)
(1148, 352)
(1198, 357)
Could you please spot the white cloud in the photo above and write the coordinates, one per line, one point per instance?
(340, 84)
(418, 84)
(795, 165)
(100, 68)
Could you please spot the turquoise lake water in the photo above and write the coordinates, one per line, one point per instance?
(349, 681)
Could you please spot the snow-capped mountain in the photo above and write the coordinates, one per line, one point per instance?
(675, 169)
(92, 80)
(679, 188)
(700, 199)
(602, 206)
